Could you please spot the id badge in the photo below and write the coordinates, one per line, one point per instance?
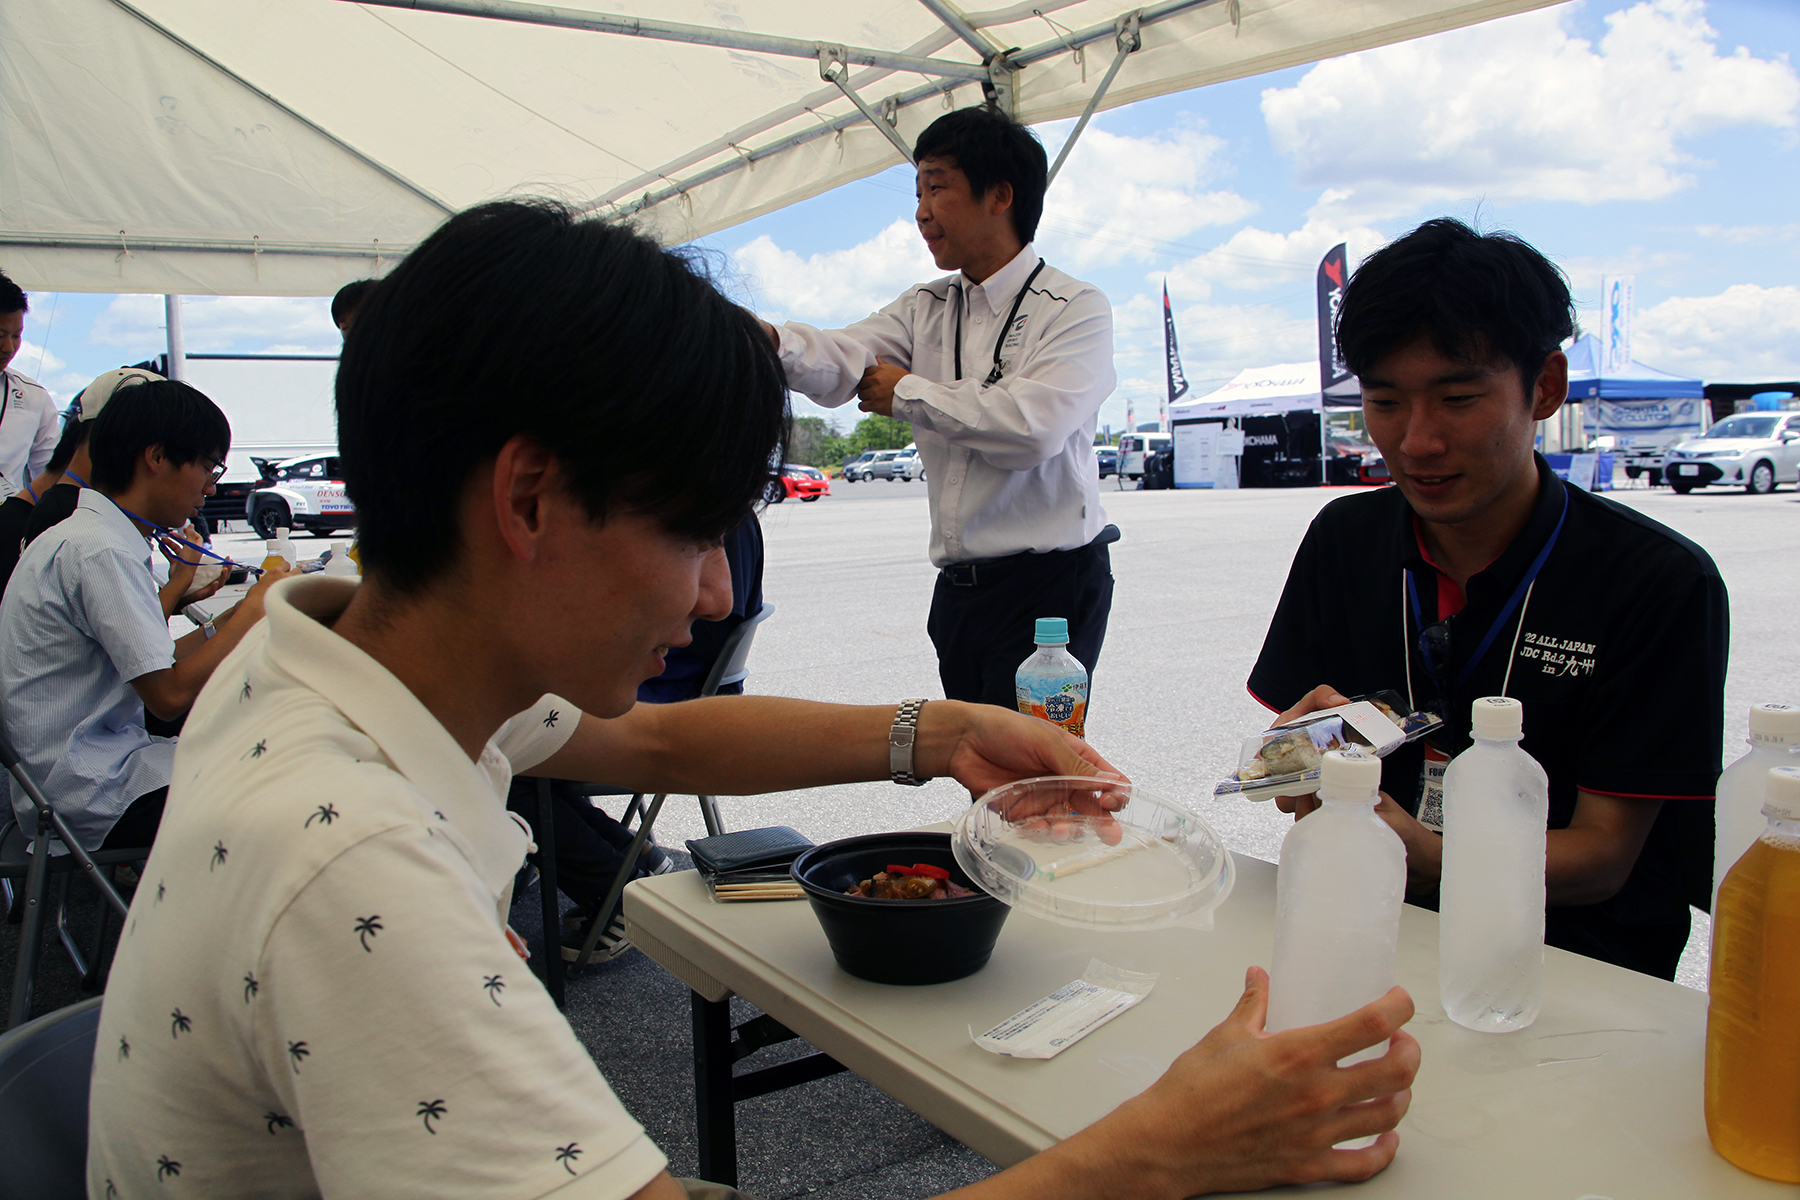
(1431, 789)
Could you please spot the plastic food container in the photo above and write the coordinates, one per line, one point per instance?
(1045, 847)
(898, 941)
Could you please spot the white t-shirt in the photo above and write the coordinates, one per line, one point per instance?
(29, 429)
(314, 994)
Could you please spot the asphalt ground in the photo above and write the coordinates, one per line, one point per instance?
(1198, 575)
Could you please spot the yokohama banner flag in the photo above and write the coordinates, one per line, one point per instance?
(1332, 371)
(1177, 381)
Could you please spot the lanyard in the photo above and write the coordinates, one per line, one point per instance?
(170, 533)
(1506, 612)
(993, 376)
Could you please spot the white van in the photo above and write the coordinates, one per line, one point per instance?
(1133, 447)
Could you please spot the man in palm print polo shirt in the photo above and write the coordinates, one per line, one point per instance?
(315, 994)
(1482, 574)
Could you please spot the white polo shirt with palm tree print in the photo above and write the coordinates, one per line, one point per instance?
(314, 994)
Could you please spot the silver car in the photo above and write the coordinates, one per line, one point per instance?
(1756, 450)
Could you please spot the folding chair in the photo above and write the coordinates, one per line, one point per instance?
(731, 666)
(44, 1070)
(29, 859)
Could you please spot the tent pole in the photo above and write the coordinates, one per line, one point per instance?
(1129, 39)
(956, 22)
(832, 69)
(177, 350)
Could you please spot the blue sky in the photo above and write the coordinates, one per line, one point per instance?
(1658, 138)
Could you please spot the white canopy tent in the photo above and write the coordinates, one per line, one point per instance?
(284, 147)
(1258, 391)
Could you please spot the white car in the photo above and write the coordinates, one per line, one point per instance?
(1757, 450)
(301, 493)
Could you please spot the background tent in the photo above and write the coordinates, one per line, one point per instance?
(1285, 387)
(1279, 442)
(222, 146)
(1637, 382)
(1641, 408)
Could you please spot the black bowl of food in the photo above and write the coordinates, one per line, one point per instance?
(940, 926)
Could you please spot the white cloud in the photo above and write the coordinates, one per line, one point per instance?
(1123, 197)
(834, 287)
(1255, 259)
(1521, 109)
(1216, 341)
(1744, 333)
(218, 324)
(34, 360)
(1748, 235)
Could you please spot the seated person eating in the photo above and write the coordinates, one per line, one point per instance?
(85, 648)
(316, 993)
(1483, 574)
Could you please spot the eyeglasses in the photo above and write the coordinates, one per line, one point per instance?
(218, 467)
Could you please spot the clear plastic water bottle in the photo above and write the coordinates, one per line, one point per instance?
(1753, 1017)
(1774, 742)
(1052, 684)
(1338, 894)
(339, 562)
(1491, 901)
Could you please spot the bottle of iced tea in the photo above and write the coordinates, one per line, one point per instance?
(1753, 1020)
(1052, 683)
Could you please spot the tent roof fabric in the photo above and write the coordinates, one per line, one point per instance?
(215, 146)
(1638, 382)
(1284, 387)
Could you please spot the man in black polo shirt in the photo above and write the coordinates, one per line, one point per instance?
(1482, 574)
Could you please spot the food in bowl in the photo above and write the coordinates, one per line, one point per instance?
(921, 881)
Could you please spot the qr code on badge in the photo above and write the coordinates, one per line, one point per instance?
(1431, 807)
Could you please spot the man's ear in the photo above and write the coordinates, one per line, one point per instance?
(999, 198)
(1552, 387)
(524, 475)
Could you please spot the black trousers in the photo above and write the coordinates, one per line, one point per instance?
(983, 618)
(590, 846)
(138, 824)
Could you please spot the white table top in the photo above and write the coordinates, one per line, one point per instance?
(1599, 1100)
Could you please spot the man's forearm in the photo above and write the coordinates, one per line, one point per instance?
(732, 746)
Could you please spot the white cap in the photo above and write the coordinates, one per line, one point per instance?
(94, 396)
(1497, 717)
(1783, 796)
(1353, 774)
(1775, 724)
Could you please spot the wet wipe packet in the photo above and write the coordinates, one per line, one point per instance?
(1284, 760)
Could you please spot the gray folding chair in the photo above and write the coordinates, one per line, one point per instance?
(730, 667)
(28, 858)
(44, 1070)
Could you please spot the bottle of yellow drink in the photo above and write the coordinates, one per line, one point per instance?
(1753, 1021)
(1052, 684)
(280, 552)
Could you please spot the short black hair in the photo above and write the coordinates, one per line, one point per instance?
(989, 148)
(618, 357)
(12, 296)
(348, 299)
(74, 436)
(164, 412)
(1477, 296)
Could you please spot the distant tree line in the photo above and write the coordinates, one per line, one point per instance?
(817, 443)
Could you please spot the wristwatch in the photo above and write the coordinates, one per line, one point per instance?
(900, 743)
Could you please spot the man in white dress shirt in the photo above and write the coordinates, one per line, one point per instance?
(1000, 369)
(29, 424)
(315, 994)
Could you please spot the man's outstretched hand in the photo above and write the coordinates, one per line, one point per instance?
(876, 391)
(982, 746)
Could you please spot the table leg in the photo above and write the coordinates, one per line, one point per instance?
(713, 1101)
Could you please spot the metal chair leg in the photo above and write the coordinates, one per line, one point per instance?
(709, 812)
(63, 933)
(604, 916)
(634, 810)
(31, 930)
(94, 978)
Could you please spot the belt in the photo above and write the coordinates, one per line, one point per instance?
(984, 571)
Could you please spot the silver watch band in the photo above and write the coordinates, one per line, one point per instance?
(900, 743)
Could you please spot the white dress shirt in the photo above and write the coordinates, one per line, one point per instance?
(314, 994)
(1009, 467)
(29, 430)
(80, 621)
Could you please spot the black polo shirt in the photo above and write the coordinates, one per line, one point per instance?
(1617, 654)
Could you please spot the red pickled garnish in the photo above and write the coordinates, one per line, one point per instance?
(922, 869)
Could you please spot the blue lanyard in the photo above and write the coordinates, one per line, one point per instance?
(1537, 564)
(167, 532)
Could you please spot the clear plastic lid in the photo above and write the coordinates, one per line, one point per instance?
(1094, 854)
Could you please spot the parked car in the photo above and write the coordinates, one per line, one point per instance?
(911, 465)
(1756, 449)
(853, 470)
(230, 500)
(1107, 459)
(1132, 449)
(893, 464)
(300, 493)
(796, 479)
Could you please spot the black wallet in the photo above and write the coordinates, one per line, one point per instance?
(774, 848)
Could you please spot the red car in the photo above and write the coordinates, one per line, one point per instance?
(808, 483)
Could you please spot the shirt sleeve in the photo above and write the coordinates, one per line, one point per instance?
(49, 432)
(416, 1050)
(537, 733)
(1029, 416)
(118, 605)
(825, 365)
(1655, 718)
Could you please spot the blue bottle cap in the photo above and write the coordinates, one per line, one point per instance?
(1052, 631)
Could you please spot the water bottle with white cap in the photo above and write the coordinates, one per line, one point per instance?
(1338, 895)
(1774, 742)
(1491, 900)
